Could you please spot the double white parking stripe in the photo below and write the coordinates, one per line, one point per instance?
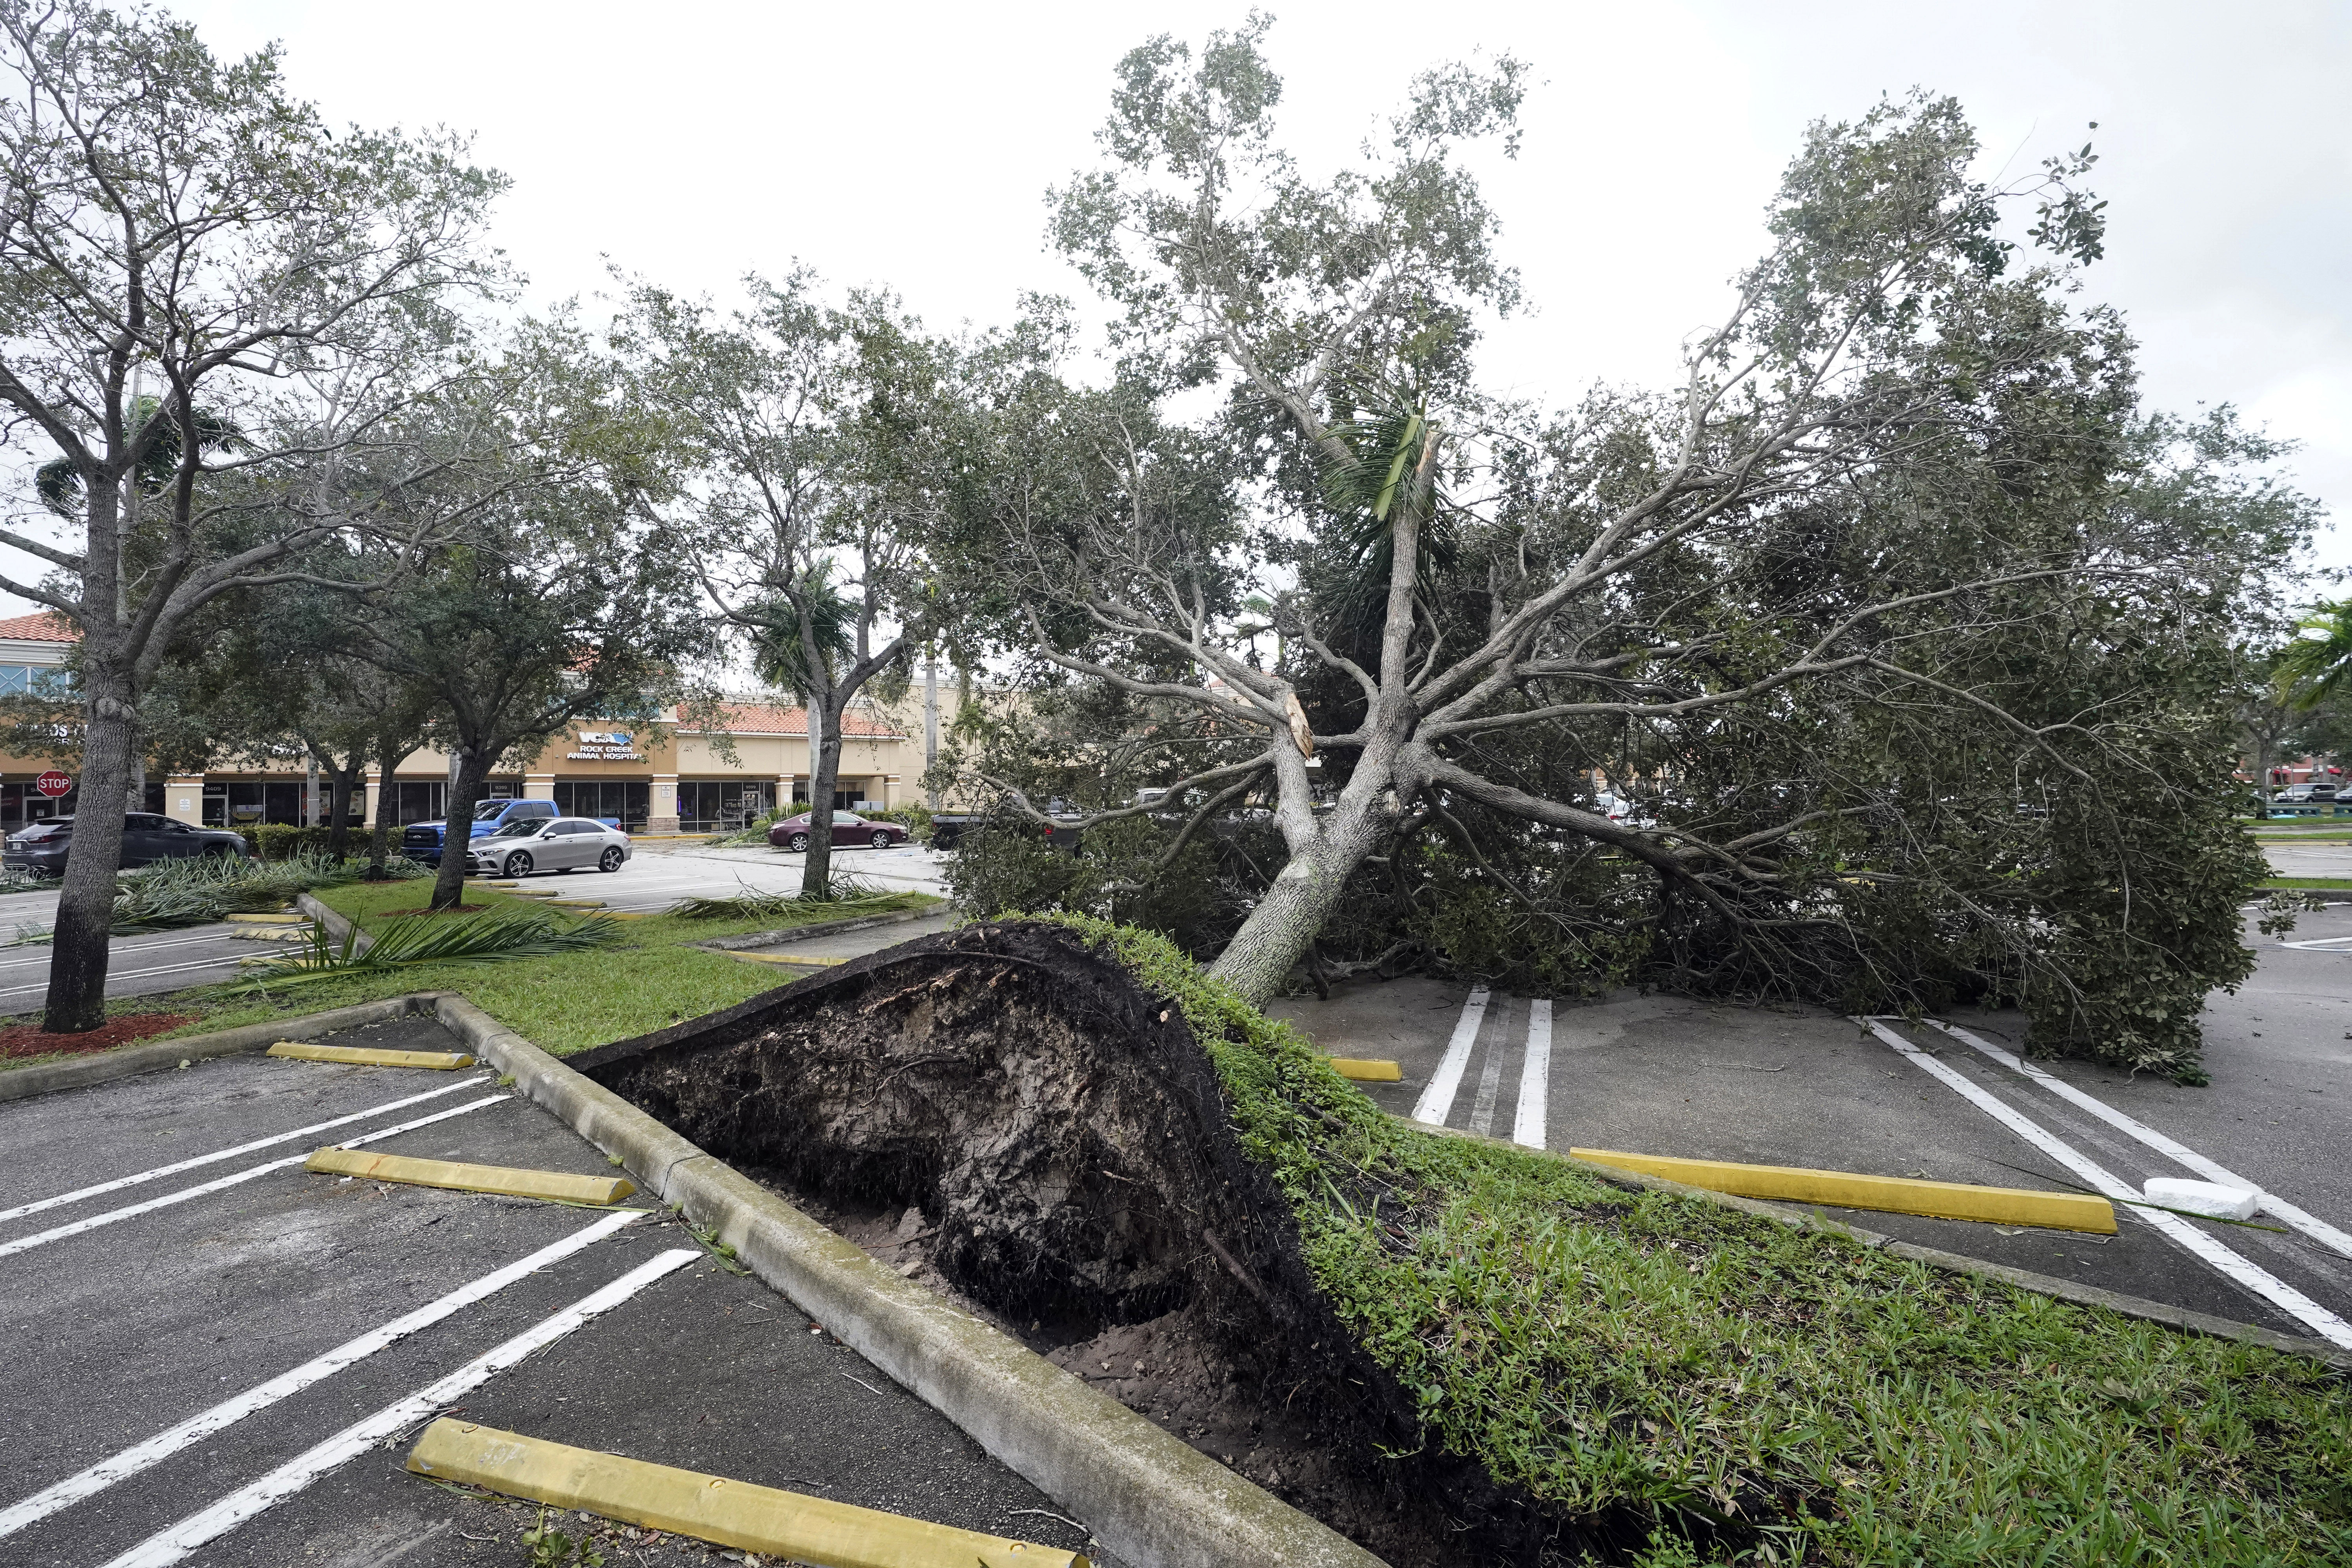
(21, 1210)
(26, 1243)
(2245, 1272)
(1436, 1102)
(227, 1413)
(134, 974)
(169, 1546)
(2318, 1229)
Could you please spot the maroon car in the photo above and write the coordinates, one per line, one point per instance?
(848, 828)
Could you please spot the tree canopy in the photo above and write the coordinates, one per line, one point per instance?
(1860, 629)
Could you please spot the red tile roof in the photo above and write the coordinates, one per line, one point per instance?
(764, 718)
(43, 625)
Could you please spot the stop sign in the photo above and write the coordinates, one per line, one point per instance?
(53, 783)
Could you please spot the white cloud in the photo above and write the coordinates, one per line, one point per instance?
(911, 145)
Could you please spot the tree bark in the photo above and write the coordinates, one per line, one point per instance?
(340, 784)
(825, 773)
(472, 772)
(1276, 937)
(389, 755)
(79, 950)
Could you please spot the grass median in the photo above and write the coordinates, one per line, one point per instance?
(568, 1001)
(1741, 1392)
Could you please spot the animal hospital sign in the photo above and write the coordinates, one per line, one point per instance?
(605, 746)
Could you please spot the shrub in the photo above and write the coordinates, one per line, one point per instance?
(913, 815)
(285, 841)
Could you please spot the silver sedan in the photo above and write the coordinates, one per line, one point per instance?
(562, 844)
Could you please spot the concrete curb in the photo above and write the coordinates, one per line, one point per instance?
(159, 1056)
(823, 928)
(2116, 1301)
(1154, 1501)
(338, 927)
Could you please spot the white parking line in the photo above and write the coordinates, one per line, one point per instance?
(21, 1210)
(1535, 1079)
(2242, 1270)
(228, 1412)
(114, 974)
(1436, 1102)
(2318, 1229)
(128, 947)
(26, 1243)
(168, 1546)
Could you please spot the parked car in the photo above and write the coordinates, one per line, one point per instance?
(848, 829)
(2307, 793)
(41, 848)
(422, 840)
(525, 844)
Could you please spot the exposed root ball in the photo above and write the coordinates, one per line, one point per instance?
(1058, 1145)
(1065, 1136)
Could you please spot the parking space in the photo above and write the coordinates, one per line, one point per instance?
(1662, 1075)
(189, 1314)
(140, 965)
(837, 947)
(657, 878)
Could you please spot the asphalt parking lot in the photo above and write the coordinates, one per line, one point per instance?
(145, 1283)
(140, 965)
(656, 876)
(1663, 1075)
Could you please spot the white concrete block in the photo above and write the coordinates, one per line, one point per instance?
(2201, 1198)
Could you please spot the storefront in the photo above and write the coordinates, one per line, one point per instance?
(653, 779)
(723, 805)
(626, 801)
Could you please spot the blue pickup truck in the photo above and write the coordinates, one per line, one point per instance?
(422, 840)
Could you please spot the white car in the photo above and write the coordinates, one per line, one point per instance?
(532, 845)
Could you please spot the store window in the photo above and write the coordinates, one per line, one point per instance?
(626, 801)
(722, 805)
(420, 801)
(249, 803)
(842, 799)
(21, 804)
(17, 680)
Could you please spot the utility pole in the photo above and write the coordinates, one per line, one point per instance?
(931, 727)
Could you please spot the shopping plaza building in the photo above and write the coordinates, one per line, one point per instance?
(665, 777)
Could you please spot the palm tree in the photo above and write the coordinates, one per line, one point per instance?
(810, 616)
(780, 653)
(2317, 663)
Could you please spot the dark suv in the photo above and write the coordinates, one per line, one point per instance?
(146, 839)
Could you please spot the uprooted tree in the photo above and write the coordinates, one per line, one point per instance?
(1861, 625)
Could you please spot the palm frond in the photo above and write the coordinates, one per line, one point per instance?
(200, 888)
(499, 937)
(778, 655)
(846, 897)
(2318, 662)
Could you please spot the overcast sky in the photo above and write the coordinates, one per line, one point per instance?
(910, 145)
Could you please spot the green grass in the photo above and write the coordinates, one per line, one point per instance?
(2289, 884)
(1612, 1350)
(567, 1003)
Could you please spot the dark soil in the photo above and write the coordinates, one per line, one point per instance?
(1005, 1115)
(32, 1041)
